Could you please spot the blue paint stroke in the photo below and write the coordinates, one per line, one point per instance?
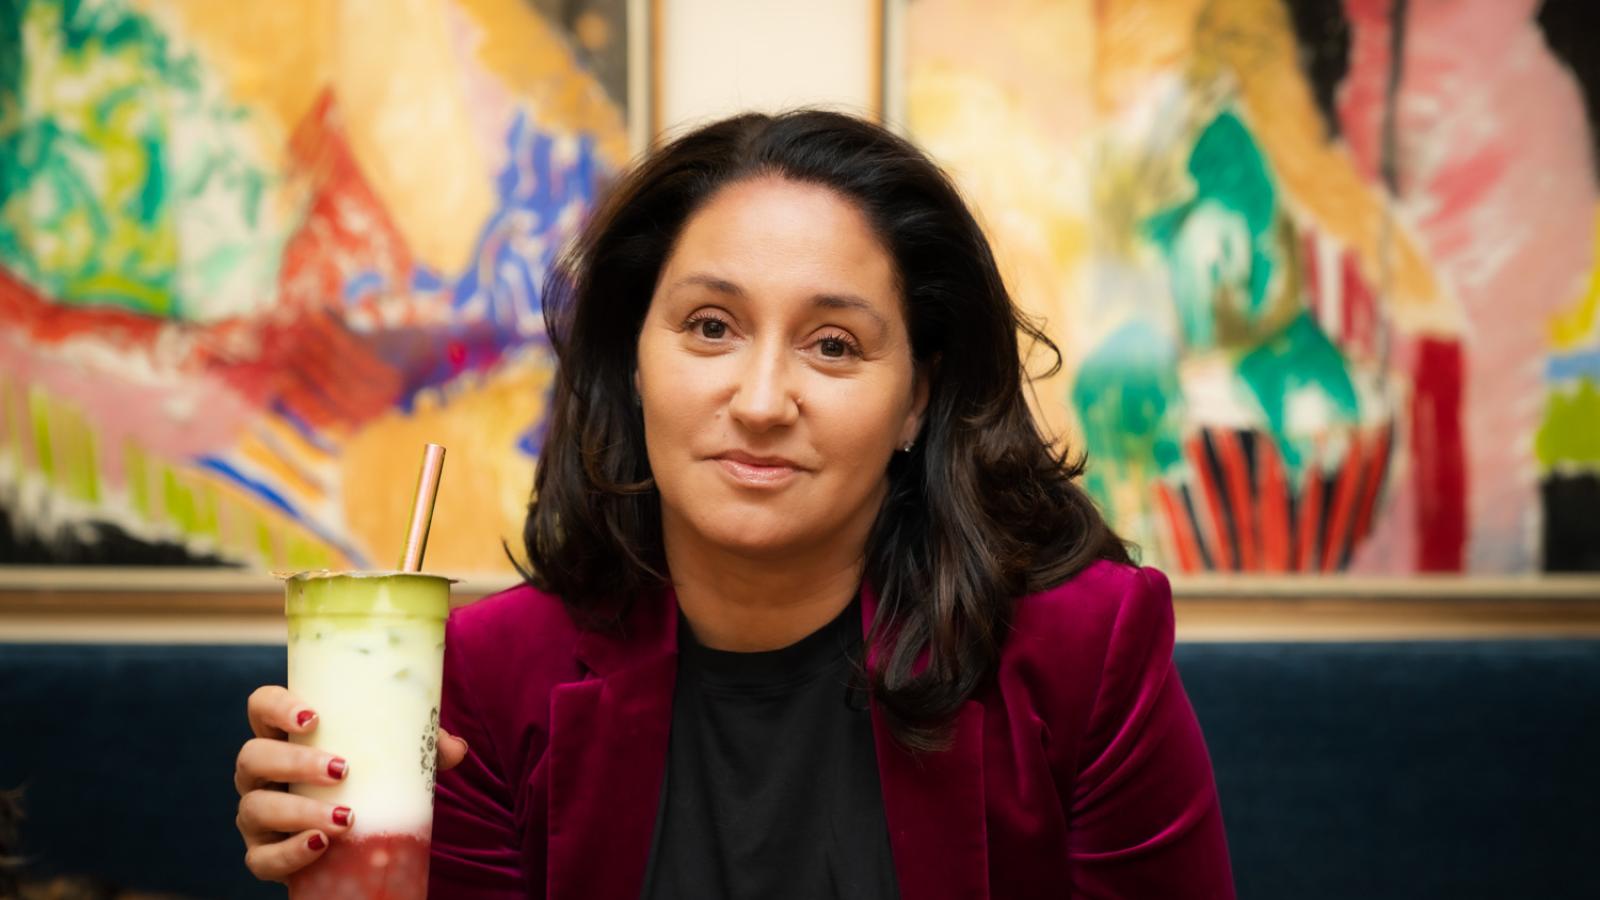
(360, 285)
(306, 430)
(1570, 366)
(264, 491)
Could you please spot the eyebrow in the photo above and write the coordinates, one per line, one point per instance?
(825, 301)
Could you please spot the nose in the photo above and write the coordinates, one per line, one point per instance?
(765, 396)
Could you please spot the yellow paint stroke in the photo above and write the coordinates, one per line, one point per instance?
(402, 96)
(262, 534)
(273, 56)
(484, 491)
(1137, 42)
(1253, 41)
(283, 437)
(1573, 328)
(1021, 71)
(534, 60)
(162, 499)
(289, 477)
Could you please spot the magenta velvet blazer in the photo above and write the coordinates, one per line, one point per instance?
(1080, 771)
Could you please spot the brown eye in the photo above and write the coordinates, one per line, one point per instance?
(833, 348)
(713, 329)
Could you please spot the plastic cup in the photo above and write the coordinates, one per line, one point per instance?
(366, 651)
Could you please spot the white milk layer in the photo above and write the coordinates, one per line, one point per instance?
(374, 684)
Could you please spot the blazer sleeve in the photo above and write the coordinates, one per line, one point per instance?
(1144, 819)
(476, 853)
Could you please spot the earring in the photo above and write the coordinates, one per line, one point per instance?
(906, 448)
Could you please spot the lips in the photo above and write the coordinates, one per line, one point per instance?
(748, 470)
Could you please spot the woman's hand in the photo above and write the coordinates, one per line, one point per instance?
(283, 832)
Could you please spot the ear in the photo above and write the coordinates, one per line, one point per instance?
(921, 386)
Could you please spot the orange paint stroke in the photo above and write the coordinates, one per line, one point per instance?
(1377, 468)
(1306, 555)
(1183, 537)
(1273, 506)
(1344, 500)
(1240, 494)
(1223, 559)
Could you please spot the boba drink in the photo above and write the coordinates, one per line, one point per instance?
(366, 651)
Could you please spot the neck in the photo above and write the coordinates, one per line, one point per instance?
(745, 604)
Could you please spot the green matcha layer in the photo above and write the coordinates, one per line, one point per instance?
(392, 594)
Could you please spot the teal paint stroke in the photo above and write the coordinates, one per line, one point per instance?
(1298, 359)
(1217, 244)
(93, 185)
(1130, 406)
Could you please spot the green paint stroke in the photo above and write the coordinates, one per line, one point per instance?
(1299, 359)
(1130, 405)
(39, 409)
(264, 543)
(208, 519)
(92, 187)
(138, 475)
(84, 476)
(1218, 244)
(15, 422)
(1570, 432)
(179, 501)
(10, 69)
(305, 555)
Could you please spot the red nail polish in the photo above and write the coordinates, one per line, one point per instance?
(341, 816)
(305, 716)
(336, 769)
(316, 842)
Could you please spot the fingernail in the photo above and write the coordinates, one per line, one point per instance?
(341, 816)
(316, 842)
(464, 746)
(336, 769)
(305, 716)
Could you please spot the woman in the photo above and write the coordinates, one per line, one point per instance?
(790, 425)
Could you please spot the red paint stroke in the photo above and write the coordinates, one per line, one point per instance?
(1438, 456)
(1469, 182)
(1359, 328)
(25, 310)
(1311, 267)
(1377, 471)
(307, 360)
(1240, 493)
(1305, 558)
(1273, 508)
(1183, 537)
(347, 231)
(1223, 558)
(1345, 492)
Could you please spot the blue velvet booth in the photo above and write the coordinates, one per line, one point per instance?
(1381, 770)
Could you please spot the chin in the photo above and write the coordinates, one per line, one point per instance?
(752, 532)
(754, 542)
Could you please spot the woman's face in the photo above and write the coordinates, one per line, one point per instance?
(775, 372)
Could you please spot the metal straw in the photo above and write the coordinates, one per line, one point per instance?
(422, 508)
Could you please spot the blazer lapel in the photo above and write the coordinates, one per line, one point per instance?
(608, 753)
(934, 803)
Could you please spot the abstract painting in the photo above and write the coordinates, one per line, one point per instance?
(254, 254)
(1323, 272)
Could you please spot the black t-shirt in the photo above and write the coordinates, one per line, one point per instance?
(772, 779)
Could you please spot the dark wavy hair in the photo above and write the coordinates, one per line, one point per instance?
(983, 510)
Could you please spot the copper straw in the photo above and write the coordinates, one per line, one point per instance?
(422, 508)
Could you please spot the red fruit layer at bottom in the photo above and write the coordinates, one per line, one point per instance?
(377, 867)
